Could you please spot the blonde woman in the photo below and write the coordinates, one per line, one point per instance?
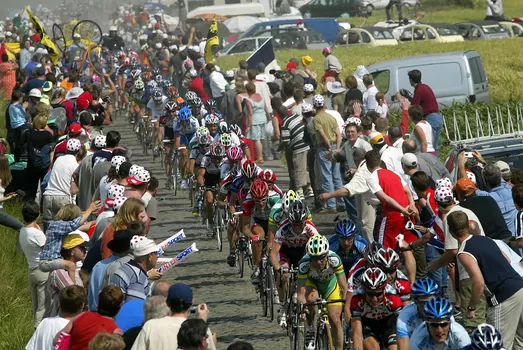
(133, 209)
(382, 109)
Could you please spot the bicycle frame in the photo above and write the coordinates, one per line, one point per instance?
(322, 323)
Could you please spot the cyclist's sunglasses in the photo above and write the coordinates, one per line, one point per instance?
(438, 324)
(378, 293)
(260, 200)
(319, 258)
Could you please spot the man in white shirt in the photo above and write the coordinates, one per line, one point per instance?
(390, 156)
(72, 302)
(369, 96)
(217, 82)
(494, 10)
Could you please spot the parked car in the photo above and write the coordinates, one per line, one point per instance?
(243, 45)
(514, 29)
(331, 8)
(453, 76)
(482, 30)
(407, 5)
(396, 27)
(371, 36)
(437, 32)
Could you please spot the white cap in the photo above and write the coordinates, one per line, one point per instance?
(158, 45)
(8, 33)
(35, 93)
(141, 246)
(195, 48)
(409, 160)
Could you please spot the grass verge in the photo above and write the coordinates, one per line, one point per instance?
(16, 319)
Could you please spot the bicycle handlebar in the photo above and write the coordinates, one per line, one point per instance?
(323, 302)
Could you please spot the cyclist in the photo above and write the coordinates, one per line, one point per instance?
(184, 130)
(439, 331)
(269, 177)
(195, 160)
(287, 247)
(388, 261)
(347, 244)
(156, 109)
(412, 316)
(236, 130)
(171, 108)
(485, 337)
(137, 101)
(321, 274)
(211, 122)
(373, 311)
(209, 176)
(196, 108)
(226, 140)
(212, 107)
(241, 184)
(256, 208)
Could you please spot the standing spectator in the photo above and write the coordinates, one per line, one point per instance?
(427, 162)
(163, 333)
(491, 274)
(424, 96)
(112, 140)
(382, 109)
(32, 240)
(132, 276)
(309, 136)
(84, 327)
(331, 63)
(7, 82)
(35, 83)
(337, 92)
(328, 139)
(306, 61)
(17, 121)
(353, 93)
(517, 196)
(369, 96)
(257, 117)
(5, 179)
(72, 301)
(217, 82)
(422, 133)
(192, 335)
(59, 100)
(504, 168)
(494, 10)
(106, 341)
(390, 156)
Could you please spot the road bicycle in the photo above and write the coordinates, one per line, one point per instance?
(267, 288)
(290, 303)
(243, 247)
(145, 132)
(219, 219)
(175, 169)
(321, 323)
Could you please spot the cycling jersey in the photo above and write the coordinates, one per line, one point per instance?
(186, 132)
(402, 285)
(235, 140)
(276, 216)
(240, 182)
(226, 184)
(421, 339)
(249, 207)
(138, 97)
(349, 257)
(286, 237)
(408, 320)
(157, 110)
(198, 155)
(391, 305)
(212, 171)
(325, 281)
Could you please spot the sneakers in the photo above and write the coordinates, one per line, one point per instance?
(231, 259)
(255, 276)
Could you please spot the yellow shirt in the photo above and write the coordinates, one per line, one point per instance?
(327, 123)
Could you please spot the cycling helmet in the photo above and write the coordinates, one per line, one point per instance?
(259, 189)
(204, 140)
(346, 228)
(121, 54)
(424, 287)
(135, 74)
(373, 279)
(289, 197)
(172, 92)
(217, 150)
(298, 212)
(190, 95)
(486, 337)
(196, 103)
(158, 79)
(268, 176)
(438, 308)
(211, 104)
(171, 106)
(370, 251)
(223, 127)
(202, 130)
(184, 114)
(236, 129)
(211, 119)
(156, 71)
(181, 104)
(166, 84)
(249, 169)
(225, 139)
(317, 245)
(235, 153)
(387, 259)
(152, 84)
(157, 95)
(139, 85)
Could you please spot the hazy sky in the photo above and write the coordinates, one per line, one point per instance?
(20, 4)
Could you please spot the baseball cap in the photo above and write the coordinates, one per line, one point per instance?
(376, 138)
(84, 100)
(409, 160)
(291, 65)
(35, 93)
(326, 50)
(180, 291)
(503, 167)
(48, 86)
(140, 177)
(74, 239)
(141, 246)
(465, 186)
(75, 128)
(443, 195)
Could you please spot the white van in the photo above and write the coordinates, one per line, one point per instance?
(453, 76)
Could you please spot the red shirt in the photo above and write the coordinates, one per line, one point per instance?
(390, 183)
(196, 85)
(86, 326)
(424, 96)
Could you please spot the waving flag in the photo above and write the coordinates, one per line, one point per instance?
(44, 39)
(212, 40)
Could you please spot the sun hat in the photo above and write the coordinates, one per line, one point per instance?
(74, 145)
(465, 186)
(35, 93)
(141, 246)
(180, 291)
(335, 87)
(74, 93)
(409, 160)
(306, 60)
(74, 239)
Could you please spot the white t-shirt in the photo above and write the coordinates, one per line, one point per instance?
(391, 156)
(429, 137)
(383, 110)
(32, 240)
(369, 99)
(62, 176)
(146, 198)
(44, 335)
(105, 214)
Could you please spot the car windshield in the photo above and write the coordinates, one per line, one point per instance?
(381, 34)
(493, 29)
(446, 31)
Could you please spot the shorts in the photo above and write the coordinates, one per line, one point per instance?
(384, 331)
(211, 180)
(168, 134)
(291, 256)
(257, 132)
(184, 140)
(391, 226)
(332, 293)
(52, 204)
(264, 224)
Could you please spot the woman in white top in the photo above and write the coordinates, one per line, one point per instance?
(382, 109)
(422, 133)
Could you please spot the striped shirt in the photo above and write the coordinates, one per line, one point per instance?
(57, 280)
(133, 281)
(292, 131)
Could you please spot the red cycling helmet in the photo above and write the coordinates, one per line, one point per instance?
(268, 176)
(373, 278)
(259, 189)
(249, 169)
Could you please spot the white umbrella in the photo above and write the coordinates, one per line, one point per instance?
(240, 24)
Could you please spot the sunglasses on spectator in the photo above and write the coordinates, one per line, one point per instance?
(438, 324)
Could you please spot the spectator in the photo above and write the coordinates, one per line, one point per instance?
(163, 333)
(32, 240)
(73, 250)
(72, 301)
(35, 83)
(192, 335)
(132, 277)
(5, 179)
(59, 100)
(328, 139)
(331, 64)
(427, 162)
(490, 273)
(517, 195)
(7, 82)
(424, 96)
(102, 168)
(149, 199)
(88, 324)
(353, 93)
(257, 117)
(382, 109)
(337, 95)
(106, 341)
(504, 168)
(495, 10)
(369, 96)
(240, 345)
(422, 132)
(74, 132)
(112, 140)
(306, 61)
(390, 156)
(110, 179)
(217, 83)
(17, 121)
(297, 78)
(47, 90)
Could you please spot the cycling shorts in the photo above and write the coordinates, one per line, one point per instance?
(384, 331)
(264, 224)
(291, 256)
(168, 134)
(185, 139)
(211, 180)
(333, 292)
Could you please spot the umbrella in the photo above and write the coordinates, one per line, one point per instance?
(240, 24)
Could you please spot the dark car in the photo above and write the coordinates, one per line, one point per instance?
(332, 8)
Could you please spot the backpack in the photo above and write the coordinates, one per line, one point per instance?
(42, 158)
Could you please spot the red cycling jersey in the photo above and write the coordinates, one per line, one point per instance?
(390, 306)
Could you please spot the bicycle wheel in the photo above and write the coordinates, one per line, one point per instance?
(218, 225)
(240, 257)
(191, 192)
(58, 37)
(270, 291)
(322, 337)
(297, 337)
(98, 61)
(174, 172)
(88, 30)
(263, 292)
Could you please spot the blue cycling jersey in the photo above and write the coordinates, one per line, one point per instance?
(350, 257)
(421, 339)
(188, 129)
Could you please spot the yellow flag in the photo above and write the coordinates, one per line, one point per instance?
(212, 40)
(12, 49)
(44, 39)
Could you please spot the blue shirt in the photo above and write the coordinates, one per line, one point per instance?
(29, 68)
(16, 116)
(408, 320)
(133, 281)
(130, 315)
(55, 235)
(32, 84)
(350, 257)
(421, 339)
(96, 280)
(503, 196)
